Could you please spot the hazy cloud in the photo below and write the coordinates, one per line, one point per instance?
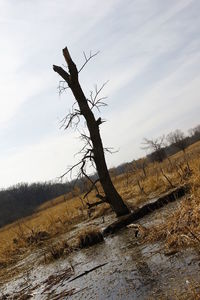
(149, 52)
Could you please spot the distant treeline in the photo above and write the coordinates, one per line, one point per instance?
(23, 199)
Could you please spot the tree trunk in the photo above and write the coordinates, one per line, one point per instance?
(112, 196)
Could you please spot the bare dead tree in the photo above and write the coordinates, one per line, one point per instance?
(92, 151)
(194, 131)
(180, 141)
(156, 146)
(158, 153)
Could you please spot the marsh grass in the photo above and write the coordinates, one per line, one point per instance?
(56, 251)
(180, 229)
(89, 237)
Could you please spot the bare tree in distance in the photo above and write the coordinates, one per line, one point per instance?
(180, 141)
(93, 150)
(195, 131)
(156, 146)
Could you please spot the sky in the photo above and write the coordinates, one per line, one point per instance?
(149, 52)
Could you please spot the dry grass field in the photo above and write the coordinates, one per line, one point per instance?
(60, 214)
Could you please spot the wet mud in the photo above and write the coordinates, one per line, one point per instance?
(120, 267)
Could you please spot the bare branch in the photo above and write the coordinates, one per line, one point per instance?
(72, 119)
(87, 59)
(87, 147)
(94, 100)
(62, 73)
(93, 183)
(70, 170)
(109, 150)
(62, 87)
(91, 188)
(68, 121)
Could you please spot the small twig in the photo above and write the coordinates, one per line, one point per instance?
(91, 188)
(62, 87)
(68, 120)
(87, 59)
(70, 170)
(94, 100)
(109, 150)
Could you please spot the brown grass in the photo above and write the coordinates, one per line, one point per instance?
(89, 237)
(182, 228)
(59, 215)
(56, 251)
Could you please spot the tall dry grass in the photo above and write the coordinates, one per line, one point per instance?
(182, 228)
(60, 214)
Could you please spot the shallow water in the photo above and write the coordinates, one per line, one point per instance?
(133, 270)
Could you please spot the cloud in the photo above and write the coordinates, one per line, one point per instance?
(46, 160)
(149, 52)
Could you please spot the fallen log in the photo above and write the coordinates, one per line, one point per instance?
(139, 213)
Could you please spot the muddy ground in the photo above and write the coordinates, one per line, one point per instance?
(121, 267)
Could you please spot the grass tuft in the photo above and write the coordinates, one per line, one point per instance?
(89, 238)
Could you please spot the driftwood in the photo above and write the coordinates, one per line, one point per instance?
(171, 196)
